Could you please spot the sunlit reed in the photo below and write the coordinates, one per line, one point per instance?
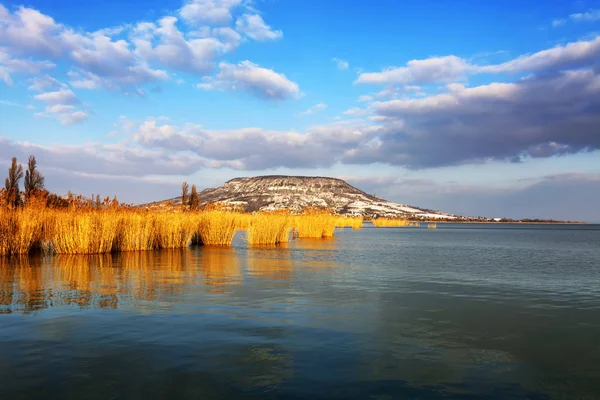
(269, 228)
(217, 228)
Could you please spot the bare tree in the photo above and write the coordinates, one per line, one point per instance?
(185, 189)
(194, 199)
(34, 181)
(11, 183)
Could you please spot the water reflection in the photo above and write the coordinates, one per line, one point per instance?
(271, 263)
(368, 314)
(220, 267)
(105, 281)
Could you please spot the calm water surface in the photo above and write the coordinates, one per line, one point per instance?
(464, 311)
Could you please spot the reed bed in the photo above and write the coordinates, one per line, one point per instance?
(349, 222)
(243, 221)
(20, 231)
(174, 230)
(314, 223)
(89, 232)
(137, 231)
(217, 228)
(101, 229)
(269, 228)
(393, 222)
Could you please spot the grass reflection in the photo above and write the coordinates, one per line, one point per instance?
(220, 267)
(271, 263)
(30, 284)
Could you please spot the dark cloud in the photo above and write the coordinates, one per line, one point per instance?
(535, 117)
(127, 189)
(117, 160)
(257, 149)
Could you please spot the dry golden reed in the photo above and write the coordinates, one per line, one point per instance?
(393, 222)
(98, 229)
(20, 231)
(349, 222)
(315, 223)
(137, 231)
(86, 232)
(269, 228)
(174, 230)
(217, 228)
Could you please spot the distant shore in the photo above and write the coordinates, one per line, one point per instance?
(511, 222)
(445, 221)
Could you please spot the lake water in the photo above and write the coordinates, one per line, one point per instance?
(464, 311)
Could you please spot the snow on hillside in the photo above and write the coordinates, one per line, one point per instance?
(296, 193)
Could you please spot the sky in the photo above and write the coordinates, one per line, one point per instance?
(475, 108)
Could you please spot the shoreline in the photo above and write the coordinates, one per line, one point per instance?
(497, 223)
(510, 223)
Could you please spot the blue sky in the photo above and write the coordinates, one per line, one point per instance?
(468, 107)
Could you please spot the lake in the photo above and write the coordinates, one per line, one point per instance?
(463, 311)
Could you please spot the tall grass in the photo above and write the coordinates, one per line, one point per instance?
(315, 223)
(108, 227)
(174, 230)
(137, 231)
(269, 228)
(217, 228)
(349, 222)
(393, 222)
(87, 232)
(20, 231)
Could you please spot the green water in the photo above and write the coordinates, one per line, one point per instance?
(464, 311)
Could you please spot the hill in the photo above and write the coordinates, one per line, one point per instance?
(274, 192)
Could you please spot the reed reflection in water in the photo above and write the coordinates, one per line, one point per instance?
(30, 284)
(462, 312)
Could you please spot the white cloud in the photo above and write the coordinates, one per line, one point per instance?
(253, 26)
(10, 65)
(558, 22)
(5, 76)
(357, 112)
(62, 96)
(436, 69)
(229, 37)
(117, 159)
(216, 12)
(571, 55)
(314, 109)
(591, 15)
(60, 108)
(45, 82)
(393, 92)
(65, 114)
(33, 34)
(175, 51)
(452, 68)
(28, 31)
(251, 78)
(341, 64)
(129, 56)
(72, 118)
(60, 104)
(256, 149)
